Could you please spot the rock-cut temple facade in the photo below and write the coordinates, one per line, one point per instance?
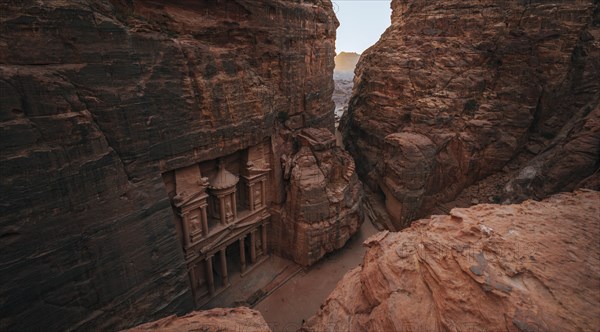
(222, 217)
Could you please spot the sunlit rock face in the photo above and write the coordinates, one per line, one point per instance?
(456, 90)
(532, 266)
(99, 100)
(346, 61)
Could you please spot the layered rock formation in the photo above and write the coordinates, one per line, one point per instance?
(324, 197)
(214, 320)
(528, 267)
(99, 99)
(454, 91)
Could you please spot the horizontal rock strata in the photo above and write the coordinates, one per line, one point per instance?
(454, 91)
(98, 99)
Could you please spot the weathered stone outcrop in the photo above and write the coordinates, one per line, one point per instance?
(533, 266)
(324, 196)
(454, 91)
(214, 320)
(567, 162)
(98, 98)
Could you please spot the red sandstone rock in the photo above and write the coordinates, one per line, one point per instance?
(324, 198)
(456, 90)
(533, 266)
(222, 320)
(98, 100)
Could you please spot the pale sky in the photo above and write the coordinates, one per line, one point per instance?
(361, 23)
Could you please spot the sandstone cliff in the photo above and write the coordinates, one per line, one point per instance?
(528, 267)
(456, 91)
(324, 197)
(99, 99)
(214, 320)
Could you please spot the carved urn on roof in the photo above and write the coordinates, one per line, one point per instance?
(223, 186)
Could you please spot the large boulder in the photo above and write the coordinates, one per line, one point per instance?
(214, 320)
(324, 198)
(533, 266)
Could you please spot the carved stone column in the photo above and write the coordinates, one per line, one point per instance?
(222, 212)
(205, 229)
(264, 238)
(250, 196)
(224, 276)
(253, 246)
(242, 255)
(209, 275)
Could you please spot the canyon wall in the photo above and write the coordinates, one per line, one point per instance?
(456, 91)
(533, 266)
(99, 99)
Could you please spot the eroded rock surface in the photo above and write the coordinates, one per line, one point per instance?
(98, 99)
(455, 91)
(220, 319)
(533, 266)
(324, 196)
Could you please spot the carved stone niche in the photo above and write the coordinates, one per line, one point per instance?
(191, 202)
(223, 187)
(254, 177)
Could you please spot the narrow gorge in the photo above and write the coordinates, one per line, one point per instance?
(167, 165)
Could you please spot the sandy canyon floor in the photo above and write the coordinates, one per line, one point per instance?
(301, 296)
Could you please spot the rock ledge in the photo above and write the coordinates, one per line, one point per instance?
(531, 266)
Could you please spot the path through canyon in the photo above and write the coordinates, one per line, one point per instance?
(300, 297)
